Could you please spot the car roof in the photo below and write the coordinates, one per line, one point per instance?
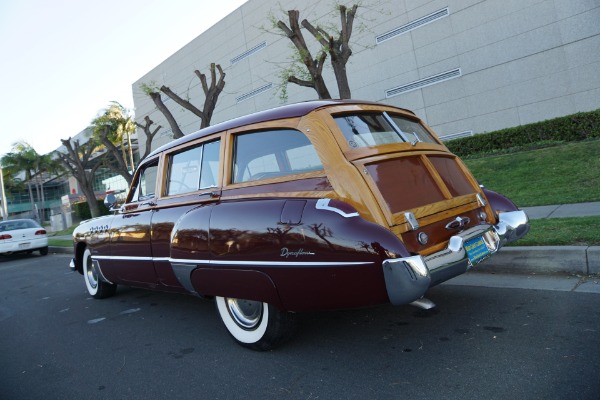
(287, 111)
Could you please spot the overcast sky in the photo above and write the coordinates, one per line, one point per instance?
(63, 61)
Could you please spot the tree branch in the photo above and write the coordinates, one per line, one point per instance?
(300, 82)
(183, 103)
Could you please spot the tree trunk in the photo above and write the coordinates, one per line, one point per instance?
(341, 77)
(117, 162)
(34, 212)
(177, 133)
(90, 196)
(78, 162)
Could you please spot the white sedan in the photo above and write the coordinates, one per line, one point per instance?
(22, 235)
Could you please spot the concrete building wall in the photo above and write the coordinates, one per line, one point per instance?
(461, 65)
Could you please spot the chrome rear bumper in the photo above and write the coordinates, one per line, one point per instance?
(407, 279)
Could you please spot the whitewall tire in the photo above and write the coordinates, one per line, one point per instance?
(96, 286)
(255, 324)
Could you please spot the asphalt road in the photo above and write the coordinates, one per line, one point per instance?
(492, 343)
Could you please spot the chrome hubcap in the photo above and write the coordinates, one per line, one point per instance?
(246, 313)
(92, 275)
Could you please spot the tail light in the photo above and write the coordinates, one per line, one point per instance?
(40, 232)
(5, 236)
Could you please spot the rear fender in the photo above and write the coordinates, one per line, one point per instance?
(235, 283)
(499, 202)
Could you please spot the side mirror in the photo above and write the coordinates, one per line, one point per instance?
(110, 201)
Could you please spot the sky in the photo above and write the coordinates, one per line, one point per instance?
(64, 61)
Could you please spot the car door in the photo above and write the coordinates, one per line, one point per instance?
(130, 233)
(192, 185)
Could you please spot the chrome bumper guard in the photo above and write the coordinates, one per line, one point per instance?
(407, 279)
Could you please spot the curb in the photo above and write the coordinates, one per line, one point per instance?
(545, 259)
(60, 250)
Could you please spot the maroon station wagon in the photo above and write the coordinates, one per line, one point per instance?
(311, 206)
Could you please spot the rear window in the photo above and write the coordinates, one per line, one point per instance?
(375, 129)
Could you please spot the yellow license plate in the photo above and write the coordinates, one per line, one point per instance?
(476, 250)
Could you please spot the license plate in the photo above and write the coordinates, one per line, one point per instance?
(476, 250)
(24, 245)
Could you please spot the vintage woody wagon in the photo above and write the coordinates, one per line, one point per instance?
(310, 206)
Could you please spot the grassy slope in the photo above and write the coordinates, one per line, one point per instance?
(582, 231)
(569, 173)
(565, 174)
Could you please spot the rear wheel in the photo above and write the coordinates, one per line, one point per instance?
(96, 287)
(254, 324)
(44, 251)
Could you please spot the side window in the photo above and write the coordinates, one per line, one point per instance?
(210, 165)
(268, 154)
(194, 169)
(146, 183)
(184, 173)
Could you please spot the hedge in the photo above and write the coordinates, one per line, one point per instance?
(82, 210)
(571, 128)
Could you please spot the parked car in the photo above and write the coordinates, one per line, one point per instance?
(22, 235)
(311, 206)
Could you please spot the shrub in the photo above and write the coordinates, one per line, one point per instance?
(82, 210)
(571, 128)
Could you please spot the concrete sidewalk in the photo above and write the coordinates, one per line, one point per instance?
(583, 260)
(564, 210)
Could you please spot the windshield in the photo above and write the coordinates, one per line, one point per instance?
(375, 129)
(18, 224)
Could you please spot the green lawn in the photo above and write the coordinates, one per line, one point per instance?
(569, 173)
(59, 242)
(581, 231)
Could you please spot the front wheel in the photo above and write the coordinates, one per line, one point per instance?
(254, 324)
(96, 287)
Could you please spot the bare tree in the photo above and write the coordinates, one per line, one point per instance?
(150, 134)
(79, 162)
(211, 93)
(338, 48)
(335, 45)
(313, 65)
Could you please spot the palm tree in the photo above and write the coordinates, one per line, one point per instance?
(113, 128)
(23, 158)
